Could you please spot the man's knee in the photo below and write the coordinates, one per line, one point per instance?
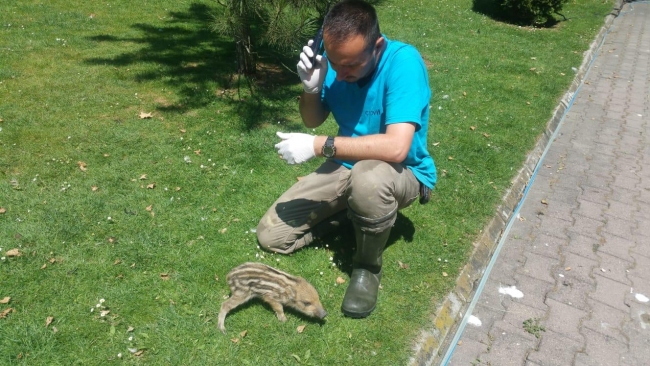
(370, 192)
(275, 242)
(268, 240)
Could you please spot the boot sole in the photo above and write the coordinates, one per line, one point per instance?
(356, 315)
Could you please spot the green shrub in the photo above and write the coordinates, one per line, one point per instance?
(532, 12)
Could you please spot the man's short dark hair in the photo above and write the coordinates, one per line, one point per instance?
(351, 18)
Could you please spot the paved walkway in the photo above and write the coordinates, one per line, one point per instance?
(572, 280)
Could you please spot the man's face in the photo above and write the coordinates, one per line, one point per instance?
(351, 60)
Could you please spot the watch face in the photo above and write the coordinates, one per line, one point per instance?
(328, 151)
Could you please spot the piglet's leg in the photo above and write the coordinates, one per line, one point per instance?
(277, 307)
(234, 301)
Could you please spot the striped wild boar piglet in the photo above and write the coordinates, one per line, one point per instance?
(276, 288)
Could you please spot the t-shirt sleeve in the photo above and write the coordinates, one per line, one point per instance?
(407, 87)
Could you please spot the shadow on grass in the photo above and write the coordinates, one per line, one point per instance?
(343, 243)
(493, 9)
(191, 59)
(272, 317)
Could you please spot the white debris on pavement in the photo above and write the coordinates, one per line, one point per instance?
(474, 321)
(511, 291)
(641, 298)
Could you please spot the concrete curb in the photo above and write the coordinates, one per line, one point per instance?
(434, 340)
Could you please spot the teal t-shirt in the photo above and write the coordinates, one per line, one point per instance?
(398, 91)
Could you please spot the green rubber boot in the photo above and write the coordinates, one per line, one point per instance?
(361, 295)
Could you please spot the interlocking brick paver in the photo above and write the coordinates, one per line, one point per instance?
(590, 209)
(518, 313)
(564, 319)
(610, 292)
(579, 251)
(600, 350)
(621, 210)
(539, 267)
(619, 227)
(616, 246)
(584, 246)
(468, 350)
(587, 226)
(578, 268)
(534, 290)
(627, 196)
(555, 350)
(510, 345)
(606, 320)
(573, 292)
(546, 245)
(613, 268)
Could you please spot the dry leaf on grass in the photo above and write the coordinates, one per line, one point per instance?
(403, 265)
(340, 280)
(13, 253)
(144, 115)
(301, 328)
(164, 276)
(5, 300)
(3, 210)
(94, 188)
(5, 312)
(48, 321)
(444, 274)
(151, 186)
(243, 334)
(82, 166)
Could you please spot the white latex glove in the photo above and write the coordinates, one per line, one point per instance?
(312, 76)
(295, 148)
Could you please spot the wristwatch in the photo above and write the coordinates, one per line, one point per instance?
(329, 150)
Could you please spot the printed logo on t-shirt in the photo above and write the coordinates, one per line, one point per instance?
(373, 113)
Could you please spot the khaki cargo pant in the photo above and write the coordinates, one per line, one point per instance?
(372, 189)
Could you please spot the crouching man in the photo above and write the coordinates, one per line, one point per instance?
(378, 92)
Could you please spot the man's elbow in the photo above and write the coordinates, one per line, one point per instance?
(397, 155)
(311, 122)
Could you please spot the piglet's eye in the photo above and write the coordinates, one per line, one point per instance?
(306, 303)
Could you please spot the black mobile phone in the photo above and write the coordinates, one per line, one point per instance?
(315, 46)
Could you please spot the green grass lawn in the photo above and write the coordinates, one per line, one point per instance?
(127, 226)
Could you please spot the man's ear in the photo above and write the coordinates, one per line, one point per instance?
(380, 43)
